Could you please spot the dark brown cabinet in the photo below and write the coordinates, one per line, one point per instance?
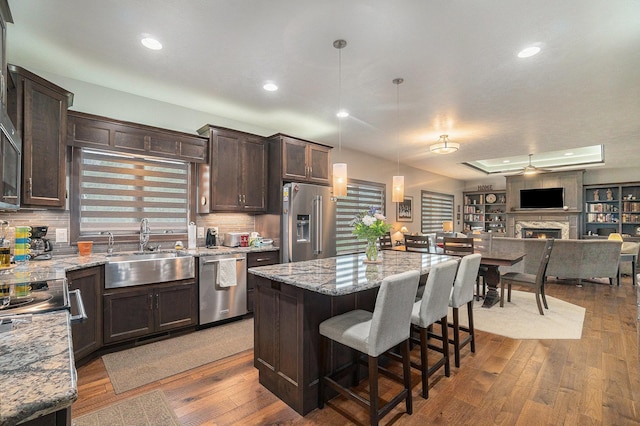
(93, 131)
(236, 178)
(135, 312)
(262, 258)
(38, 108)
(87, 336)
(5, 16)
(304, 161)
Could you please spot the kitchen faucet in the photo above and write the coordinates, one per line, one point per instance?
(110, 241)
(144, 233)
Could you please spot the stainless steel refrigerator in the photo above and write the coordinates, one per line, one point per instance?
(308, 222)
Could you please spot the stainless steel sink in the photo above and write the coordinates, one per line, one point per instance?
(125, 270)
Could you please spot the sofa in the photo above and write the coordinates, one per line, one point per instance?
(629, 247)
(570, 259)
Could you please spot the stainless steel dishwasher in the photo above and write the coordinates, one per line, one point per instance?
(216, 302)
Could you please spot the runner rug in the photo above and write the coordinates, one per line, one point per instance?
(139, 366)
(147, 409)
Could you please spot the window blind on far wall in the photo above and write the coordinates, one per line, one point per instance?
(117, 191)
(361, 195)
(435, 208)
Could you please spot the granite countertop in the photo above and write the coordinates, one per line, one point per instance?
(37, 373)
(57, 267)
(347, 274)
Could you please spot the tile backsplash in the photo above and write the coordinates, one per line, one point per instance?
(226, 222)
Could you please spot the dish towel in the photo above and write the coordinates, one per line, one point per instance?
(226, 273)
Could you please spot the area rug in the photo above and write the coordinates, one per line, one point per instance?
(520, 319)
(148, 409)
(139, 366)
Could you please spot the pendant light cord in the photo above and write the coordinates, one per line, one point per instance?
(398, 125)
(398, 82)
(339, 103)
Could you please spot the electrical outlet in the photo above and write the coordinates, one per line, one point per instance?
(200, 232)
(61, 235)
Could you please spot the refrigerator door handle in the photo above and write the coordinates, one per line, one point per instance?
(318, 243)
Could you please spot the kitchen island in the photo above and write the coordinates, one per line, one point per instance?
(291, 301)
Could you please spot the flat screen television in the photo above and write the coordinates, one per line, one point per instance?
(542, 198)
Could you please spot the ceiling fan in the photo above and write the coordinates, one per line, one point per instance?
(530, 169)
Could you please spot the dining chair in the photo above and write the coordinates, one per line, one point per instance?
(483, 242)
(456, 246)
(535, 281)
(462, 294)
(386, 243)
(432, 308)
(373, 334)
(439, 238)
(419, 243)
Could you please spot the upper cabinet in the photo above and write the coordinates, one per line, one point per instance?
(235, 180)
(38, 108)
(5, 17)
(304, 161)
(92, 131)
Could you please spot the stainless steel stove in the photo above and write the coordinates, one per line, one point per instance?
(37, 297)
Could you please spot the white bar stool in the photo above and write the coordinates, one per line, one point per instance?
(374, 334)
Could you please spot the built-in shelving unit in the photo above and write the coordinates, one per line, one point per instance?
(485, 211)
(612, 208)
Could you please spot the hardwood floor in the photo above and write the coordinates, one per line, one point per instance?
(591, 381)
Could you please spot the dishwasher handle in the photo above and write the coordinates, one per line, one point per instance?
(206, 262)
(82, 314)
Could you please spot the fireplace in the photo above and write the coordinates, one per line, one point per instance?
(559, 229)
(541, 233)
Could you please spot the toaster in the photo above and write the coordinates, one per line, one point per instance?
(237, 239)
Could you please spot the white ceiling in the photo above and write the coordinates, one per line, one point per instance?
(458, 60)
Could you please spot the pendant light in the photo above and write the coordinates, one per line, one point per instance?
(397, 192)
(340, 169)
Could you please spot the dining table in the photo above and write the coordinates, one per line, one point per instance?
(492, 260)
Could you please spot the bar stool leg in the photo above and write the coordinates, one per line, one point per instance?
(406, 373)
(445, 345)
(373, 390)
(472, 329)
(456, 337)
(423, 362)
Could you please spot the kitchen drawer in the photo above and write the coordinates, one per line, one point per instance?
(263, 258)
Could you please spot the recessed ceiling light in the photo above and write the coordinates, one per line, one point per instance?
(151, 43)
(270, 87)
(342, 113)
(528, 52)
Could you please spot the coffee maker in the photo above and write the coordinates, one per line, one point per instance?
(40, 246)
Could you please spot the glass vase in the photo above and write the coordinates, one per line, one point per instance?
(372, 250)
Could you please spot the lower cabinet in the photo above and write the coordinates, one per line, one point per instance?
(134, 312)
(61, 417)
(87, 336)
(262, 258)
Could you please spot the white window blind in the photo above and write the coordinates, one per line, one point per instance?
(361, 195)
(117, 191)
(435, 208)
